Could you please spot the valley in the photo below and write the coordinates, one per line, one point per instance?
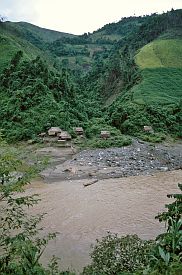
(124, 80)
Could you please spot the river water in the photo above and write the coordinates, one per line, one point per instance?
(83, 214)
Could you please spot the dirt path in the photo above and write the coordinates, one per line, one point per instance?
(81, 214)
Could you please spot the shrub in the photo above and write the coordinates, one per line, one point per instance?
(114, 255)
(152, 137)
(118, 141)
(131, 255)
(166, 255)
(21, 246)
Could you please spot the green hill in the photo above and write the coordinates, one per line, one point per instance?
(32, 33)
(124, 75)
(45, 34)
(156, 99)
(10, 44)
(148, 78)
(28, 38)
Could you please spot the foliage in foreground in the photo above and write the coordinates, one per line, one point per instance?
(131, 255)
(21, 244)
(114, 255)
(167, 253)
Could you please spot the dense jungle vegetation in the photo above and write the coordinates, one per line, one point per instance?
(119, 78)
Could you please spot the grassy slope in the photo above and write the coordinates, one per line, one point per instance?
(159, 85)
(161, 64)
(161, 53)
(45, 34)
(9, 45)
(21, 36)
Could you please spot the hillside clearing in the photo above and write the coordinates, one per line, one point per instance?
(161, 53)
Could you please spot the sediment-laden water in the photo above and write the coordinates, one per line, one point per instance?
(85, 209)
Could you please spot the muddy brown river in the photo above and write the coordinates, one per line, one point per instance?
(82, 214)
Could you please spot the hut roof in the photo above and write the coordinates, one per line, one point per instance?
(105, 133)
(64, 135)
(55, 129)
(78, 129)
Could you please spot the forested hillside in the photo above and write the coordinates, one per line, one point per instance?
(121, 77)
(150, 93)
(33, 98)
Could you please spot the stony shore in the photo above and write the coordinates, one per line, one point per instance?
(140, 158)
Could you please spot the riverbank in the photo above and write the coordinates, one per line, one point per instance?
(140, 158)
(86, 199)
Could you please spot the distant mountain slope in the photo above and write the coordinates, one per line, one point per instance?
(9, 45)
(121, 29)
(28, 38)
(32, 33)
(81, 53)
(45, 34)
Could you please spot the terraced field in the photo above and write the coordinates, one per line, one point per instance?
(161, 64)
(161, 53)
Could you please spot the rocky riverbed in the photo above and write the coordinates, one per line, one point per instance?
(120, 190)
(140, 158)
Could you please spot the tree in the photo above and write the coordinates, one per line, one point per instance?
(2, 19)
(16, 59)
(21, 246)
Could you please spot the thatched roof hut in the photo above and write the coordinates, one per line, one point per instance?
(43, 134)
(54, 131)
(148, 129)
(104, 134)
(79, 130)
(64, 136)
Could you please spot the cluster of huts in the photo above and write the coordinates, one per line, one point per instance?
(57, 134)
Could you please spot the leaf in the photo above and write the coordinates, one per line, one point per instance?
(164, 256)
(167, 257)
(162, 253)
